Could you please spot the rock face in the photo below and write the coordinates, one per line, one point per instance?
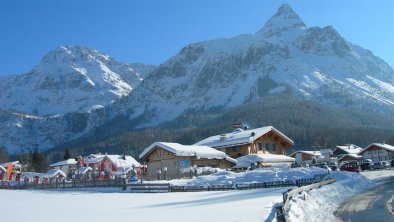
(285, 55)
(316, 63)
(68, 79)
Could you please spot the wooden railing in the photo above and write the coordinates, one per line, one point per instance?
(281, 211)
(75, 183)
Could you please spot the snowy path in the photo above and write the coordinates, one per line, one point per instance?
(226, 206)
(368, 206)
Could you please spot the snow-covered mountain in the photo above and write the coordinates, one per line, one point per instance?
(68, 79)
(314, 63)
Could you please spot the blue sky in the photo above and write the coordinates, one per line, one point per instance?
(152, 31)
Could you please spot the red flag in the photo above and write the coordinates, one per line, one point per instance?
(9, 171)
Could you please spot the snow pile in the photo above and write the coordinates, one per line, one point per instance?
(379, 175)
(320, 204)
(256, 176)
(246, 161)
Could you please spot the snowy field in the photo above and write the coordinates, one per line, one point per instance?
(226, 206)
(112, 204)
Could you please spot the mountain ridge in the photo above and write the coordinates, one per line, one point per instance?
(316, 64)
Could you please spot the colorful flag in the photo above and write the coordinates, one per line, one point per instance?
(9, 171)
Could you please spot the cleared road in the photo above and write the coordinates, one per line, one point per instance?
(368, 206)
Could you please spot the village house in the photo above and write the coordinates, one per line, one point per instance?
(67, 166)
(351, 157)
(2, 172)
(307, 157)
(241, 142)
(346, 149)
(170, 160)
(378, 152)
(111, 164)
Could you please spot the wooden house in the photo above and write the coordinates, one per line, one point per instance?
(173, 159)
(378, 152)
(351, 157)
(346, 149)
(264, 140)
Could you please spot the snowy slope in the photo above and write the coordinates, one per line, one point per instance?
(68, 79)
(316, 63)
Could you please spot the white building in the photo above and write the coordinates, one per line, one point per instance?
(378, 152)
(66, 165)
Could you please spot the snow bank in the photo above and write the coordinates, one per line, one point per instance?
(255, 176)
(319, 204)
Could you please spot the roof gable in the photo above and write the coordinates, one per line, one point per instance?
(380, 145)
(350, 148)
(240, 137)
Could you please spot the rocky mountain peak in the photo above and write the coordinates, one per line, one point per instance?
(70, 54)
(283, 20)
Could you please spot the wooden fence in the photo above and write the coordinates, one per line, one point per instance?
(64, 184)
(166, 187)
(147, 187)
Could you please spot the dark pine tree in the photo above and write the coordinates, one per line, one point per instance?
(38, 161)
(67, 154)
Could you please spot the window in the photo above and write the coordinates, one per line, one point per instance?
(261, 146)
(236, 148)
(274, 147)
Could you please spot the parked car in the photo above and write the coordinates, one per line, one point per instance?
(385, 164)
(378, 166)
(333, 166)
(392, 163)
(366, 166)
(351, 167)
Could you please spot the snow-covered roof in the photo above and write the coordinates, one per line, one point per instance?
(350, 148)
(64, 162)
(83, 170)
(355, 156)
(117, 160)
(380, 145)
(52, 173)
(312, 153)
(15, 164)
(2, 168)
(93, 158)
(123, 161)
(30, 174)
(188, 150)
(245, 161)
(240, 137)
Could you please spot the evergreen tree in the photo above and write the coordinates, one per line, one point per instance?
(4, 155)
(67, 154)
(38, 162)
